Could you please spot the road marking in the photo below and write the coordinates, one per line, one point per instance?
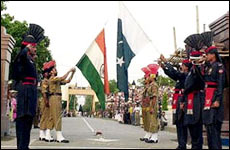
(88, 125)
(101, 139)
(71, 147)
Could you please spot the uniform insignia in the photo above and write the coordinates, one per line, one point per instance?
(209, 71)
(221, 71)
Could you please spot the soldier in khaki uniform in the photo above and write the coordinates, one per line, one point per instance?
(55, 100)
(152, 110)
(46, 122)
(145, 104)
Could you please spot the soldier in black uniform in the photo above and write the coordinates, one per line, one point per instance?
(179, 77)
(194, 92)
(193, 97)
(214, 77)
(213, 109)
(25, 75)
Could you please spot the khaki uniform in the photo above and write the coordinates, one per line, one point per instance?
(145, 105)
(151, 118)
(46, 119)
(55, 101)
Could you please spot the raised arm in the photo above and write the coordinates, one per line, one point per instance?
(70, 78)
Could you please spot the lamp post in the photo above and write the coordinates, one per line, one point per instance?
(133, 88)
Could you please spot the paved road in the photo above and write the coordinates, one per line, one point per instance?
(81, 133)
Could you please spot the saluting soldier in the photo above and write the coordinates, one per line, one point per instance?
(193, 94)
(152, 110)
(178, 114)
(25, 75)
(55, 83)
(213, 109)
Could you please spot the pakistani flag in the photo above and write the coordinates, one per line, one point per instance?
(93, 66)
(130, 40)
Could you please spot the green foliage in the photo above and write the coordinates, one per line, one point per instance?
(165, 81)
(16, 29)
(3, 5)
(165, 101)
(97, 106)
(113, 86)
(141, 81)
(87, 107)
(161, 81)
(72, 104)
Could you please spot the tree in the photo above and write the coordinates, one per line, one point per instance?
(87, 107)
(72, 104)
(97, 106)
(165, 81)
(141, 81)
(16, 29)
(113, 86)
(165, 101)
(3, 5)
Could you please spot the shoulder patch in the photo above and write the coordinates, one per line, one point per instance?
(220, 64)
(221, 71)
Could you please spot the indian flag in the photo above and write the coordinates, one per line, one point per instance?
(93, 66)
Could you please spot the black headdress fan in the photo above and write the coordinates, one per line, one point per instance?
(34, 35)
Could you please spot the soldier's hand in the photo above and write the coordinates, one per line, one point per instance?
(181, 106)
(151, 111)
(160, 63)
(47, 103)
(216, 104)
(162, 58)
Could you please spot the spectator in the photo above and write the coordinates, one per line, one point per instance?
(13, 105)
(164, 121)
(137, 114)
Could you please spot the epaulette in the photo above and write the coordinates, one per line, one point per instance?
(220, 64)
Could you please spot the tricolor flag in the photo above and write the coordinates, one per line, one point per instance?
(93, 66)
(130, 40)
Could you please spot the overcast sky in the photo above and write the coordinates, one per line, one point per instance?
(72, 26)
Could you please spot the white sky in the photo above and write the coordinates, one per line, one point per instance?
(72, 26)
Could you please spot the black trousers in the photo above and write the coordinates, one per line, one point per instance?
(214, 135)
(182, 135)
(23, 128)
(196, 135)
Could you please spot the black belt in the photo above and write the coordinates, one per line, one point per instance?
(57, 94)
(178, 92)
(211, 86)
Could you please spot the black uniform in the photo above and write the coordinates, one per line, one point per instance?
(26, 98)
(214, 76)
(25, 75)
(178, 116)
(193, 96)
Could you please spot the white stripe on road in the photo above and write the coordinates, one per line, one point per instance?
(88, 125)
(70, 147)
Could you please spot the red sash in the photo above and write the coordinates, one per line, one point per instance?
(190, 102)
(175, 99)
(209, 92)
